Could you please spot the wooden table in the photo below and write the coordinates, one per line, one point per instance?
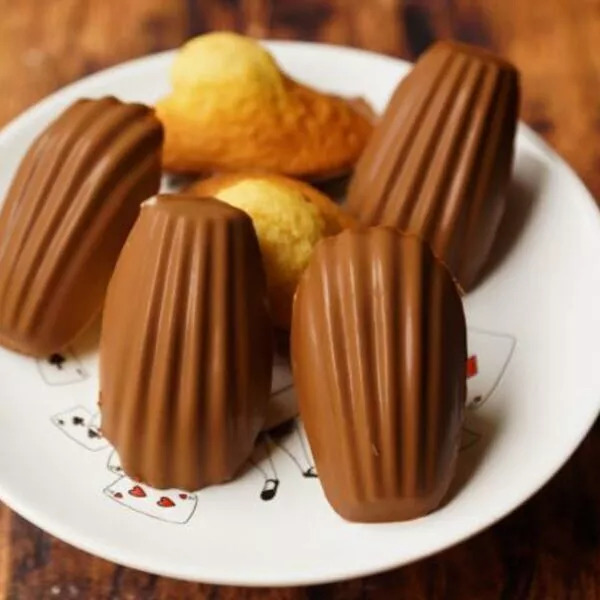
(549, 548)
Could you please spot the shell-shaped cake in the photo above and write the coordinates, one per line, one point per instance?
(379, 355)
(439, 162)
(73, 201)
(186, 344)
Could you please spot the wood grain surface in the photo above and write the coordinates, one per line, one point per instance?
(547, 549)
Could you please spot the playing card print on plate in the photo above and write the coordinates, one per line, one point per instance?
(61, 368)
(171, 506)
(114, 463)
(489, 357)
(79, 425)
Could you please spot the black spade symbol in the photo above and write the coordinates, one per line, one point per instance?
(57, 360)
(310, 472)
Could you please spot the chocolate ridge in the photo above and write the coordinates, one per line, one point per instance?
(440, 159)
(66, 215)
(186, 348)
(379, 354)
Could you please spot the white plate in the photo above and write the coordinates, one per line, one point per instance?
(534, 325)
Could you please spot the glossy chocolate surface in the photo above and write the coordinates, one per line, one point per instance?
(65, 218)
(379, 354)
(186, 344)
(439, 161)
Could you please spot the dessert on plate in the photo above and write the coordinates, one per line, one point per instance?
(186, 344)
(289, 216)
(379, 359)
(191, 284)
(335, 218)
(439, 161)
(73, 200)
(231, 108)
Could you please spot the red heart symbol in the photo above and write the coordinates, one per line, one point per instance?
(472, 366)
(137, 491)
(118, 495)
(183, 496)
(165, 502)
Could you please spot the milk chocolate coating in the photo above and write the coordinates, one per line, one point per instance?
(186, 344)
(440, 159)
(379, 354)
(66, 216)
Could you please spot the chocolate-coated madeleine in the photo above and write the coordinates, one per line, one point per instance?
(186, 344)
(439, 161)
(379, 354)
(66, 216)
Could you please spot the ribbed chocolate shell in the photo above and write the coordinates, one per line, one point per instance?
(186, 344)
(67, 214)
(439, 161)
(379, 354)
